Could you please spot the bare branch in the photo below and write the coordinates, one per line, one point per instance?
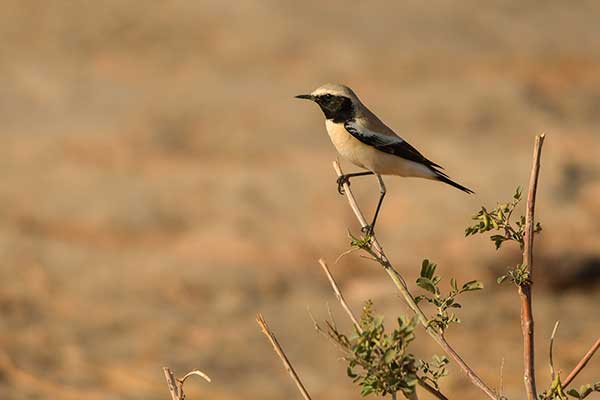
(339, 295)
(196, 372)
(501, 389)
(431, 389)
(552, 373)
(582, 363)
(525, 290)
(377, 252)
(279, 351)
(176, 385)
(173, 385)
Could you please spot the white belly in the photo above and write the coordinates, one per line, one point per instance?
(370, 158)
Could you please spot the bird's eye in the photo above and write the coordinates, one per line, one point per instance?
(327, 97)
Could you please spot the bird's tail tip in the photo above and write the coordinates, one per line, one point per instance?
(450, 182)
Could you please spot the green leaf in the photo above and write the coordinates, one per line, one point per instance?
(427, 284)
(389, 356)
(453, 285)
(518, 192)
(427, 269)
(366, 390)
(472, 285)
(574, 393)
(350, 373)
(501, 279)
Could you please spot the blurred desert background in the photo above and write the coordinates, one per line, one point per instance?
(160, 185)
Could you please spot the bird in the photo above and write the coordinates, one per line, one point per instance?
(363, 139)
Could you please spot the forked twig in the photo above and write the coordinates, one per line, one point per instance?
(400, 283)
(175, 385)
(279, 351)
(525, 290)
(582, 363)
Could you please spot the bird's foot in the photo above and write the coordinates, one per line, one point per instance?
(341, 180)
(367, 230)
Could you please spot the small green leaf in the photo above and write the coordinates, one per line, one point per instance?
(389, 356)
(427, 269)
(427, 284)
(472, 285)
(501, 279)
(517, 195)
(350, 373)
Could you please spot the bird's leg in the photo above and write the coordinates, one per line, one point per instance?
(369, 228)
(346, 179)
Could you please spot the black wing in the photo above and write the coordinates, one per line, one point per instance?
(389, 144)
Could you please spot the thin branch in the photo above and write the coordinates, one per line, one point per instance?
(501, 389)
(431, 389)
(582, 363)
(400, 283)
(172, 384)
(339, 296)
(279, 351)
(552, 373)
(527, 324)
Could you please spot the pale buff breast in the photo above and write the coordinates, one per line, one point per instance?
(370, 158)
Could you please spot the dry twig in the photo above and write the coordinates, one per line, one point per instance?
(339, 296)
(525, 290)
(279, 351)
(377, 252)
(552, 372)
(175, 385)
(582, 363)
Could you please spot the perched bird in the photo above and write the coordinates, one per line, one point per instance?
(360, 137)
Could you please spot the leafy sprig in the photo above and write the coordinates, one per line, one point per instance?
(518, 275)
(499, 219)
(430, 282)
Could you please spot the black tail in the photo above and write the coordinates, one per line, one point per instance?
(444, 178)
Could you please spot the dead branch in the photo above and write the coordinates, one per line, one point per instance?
(175, 385)
(279, 351)
(552, 372)
(527, 324)
(339, 296)
(377, 252)
(174, 389)
(582, 363)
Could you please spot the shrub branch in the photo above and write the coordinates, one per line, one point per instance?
(582, 363)
(525, 292)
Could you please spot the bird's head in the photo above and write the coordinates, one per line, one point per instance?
(338, 102)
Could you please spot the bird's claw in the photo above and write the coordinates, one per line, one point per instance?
(341, 180)
(367, 230)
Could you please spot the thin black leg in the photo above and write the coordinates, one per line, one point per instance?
(382, 192)
(346, 179)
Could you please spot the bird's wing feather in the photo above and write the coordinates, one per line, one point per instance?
(392, 144)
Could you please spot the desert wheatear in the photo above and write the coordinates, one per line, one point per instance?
(360, 137)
